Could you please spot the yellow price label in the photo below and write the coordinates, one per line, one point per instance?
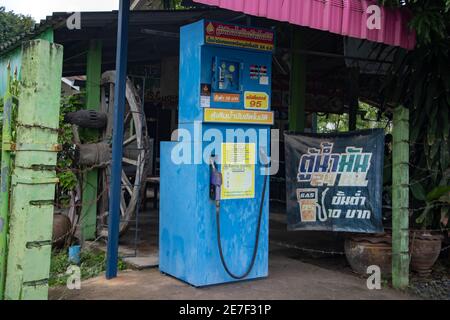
(256, 100)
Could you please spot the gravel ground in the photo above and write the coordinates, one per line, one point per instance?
(436, 286)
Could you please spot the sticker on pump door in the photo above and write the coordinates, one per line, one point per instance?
(205, 95)
(264, 81)
(256, 100)
(227, 97)
(238, 170)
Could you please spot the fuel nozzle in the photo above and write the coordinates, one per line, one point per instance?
(215, 181)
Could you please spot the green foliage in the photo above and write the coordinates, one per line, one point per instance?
(12, 24)
(369, 118)
(67, 178)
(437, 200)
(430, 18)
(177, 4)
(92, 264)
(70, 103)
(420, 80)
(332, 122)
(1, 121)
(437, 193)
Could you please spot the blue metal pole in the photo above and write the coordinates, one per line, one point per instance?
(117, 145)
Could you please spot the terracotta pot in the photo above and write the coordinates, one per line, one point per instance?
(425, 249)
(363, 251)
(61, 230)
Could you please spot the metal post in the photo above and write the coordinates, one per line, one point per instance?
(400, 198)
(34, 177)
(5, 181)
(297, 103)
(315, 121)
(117, 146)
(353, 97)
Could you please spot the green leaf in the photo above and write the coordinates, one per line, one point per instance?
(418, 191)
(422, 218)
(431, 134)
(418, 95)
(437, 192)
(445, 155)
(430, 95)
(445, 120)
(434, 150)
(417, 129)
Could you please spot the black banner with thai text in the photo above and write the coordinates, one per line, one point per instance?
(334, 181)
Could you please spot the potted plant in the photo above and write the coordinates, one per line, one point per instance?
(426, 242)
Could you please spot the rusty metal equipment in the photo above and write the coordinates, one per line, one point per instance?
(136, 155)
(87, 119)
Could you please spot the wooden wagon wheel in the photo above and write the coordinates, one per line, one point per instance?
(135, 159)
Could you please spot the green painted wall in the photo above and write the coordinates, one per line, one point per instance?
(15, 57)
(34, 178)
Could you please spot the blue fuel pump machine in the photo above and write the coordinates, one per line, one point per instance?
(214, 193)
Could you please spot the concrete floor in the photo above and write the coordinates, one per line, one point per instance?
(289, 279)
(294, 274)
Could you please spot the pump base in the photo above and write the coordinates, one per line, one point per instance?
(188, 235)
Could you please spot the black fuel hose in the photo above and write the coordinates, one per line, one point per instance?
(258, 229)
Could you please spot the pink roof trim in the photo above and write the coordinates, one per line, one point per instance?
(344, 17)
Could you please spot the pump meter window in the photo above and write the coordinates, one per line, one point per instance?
(227, 75)
(238, 171)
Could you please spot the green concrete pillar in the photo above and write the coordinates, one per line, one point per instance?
(34, 177)
(90, 185)
(5, 180)
(400, 198)
(297, 103)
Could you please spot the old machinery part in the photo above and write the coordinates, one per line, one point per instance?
(137, 158)
(93, 154)
(87, 119)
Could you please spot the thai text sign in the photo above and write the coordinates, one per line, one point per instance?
(238, 116)
(334, 181)
(236, 36)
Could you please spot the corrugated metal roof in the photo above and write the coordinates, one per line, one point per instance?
(50, 22)
(57, 21)
(344, 17)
